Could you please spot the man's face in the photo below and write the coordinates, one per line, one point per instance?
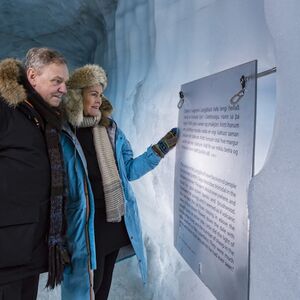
(50, 82)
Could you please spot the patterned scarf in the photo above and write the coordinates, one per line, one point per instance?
(113, 193)
(58, 255)
(50, 121)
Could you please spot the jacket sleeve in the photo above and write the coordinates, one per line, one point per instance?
(5, 115)
(139, 166)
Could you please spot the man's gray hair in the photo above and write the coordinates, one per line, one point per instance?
(37, 58)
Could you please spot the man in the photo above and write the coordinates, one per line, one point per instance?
(31, 173)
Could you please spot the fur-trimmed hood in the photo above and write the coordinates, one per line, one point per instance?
(85, 76)
(12, 90)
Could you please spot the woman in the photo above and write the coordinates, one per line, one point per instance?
(102, 214)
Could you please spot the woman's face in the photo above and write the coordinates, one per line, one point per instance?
(92, 100)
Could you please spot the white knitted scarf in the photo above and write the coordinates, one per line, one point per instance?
(113, 193)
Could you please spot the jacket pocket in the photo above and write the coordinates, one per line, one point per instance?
(16, 244)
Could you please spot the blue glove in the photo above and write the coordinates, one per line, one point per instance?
(166, 143)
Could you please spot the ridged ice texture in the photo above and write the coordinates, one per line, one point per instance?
(79, 29)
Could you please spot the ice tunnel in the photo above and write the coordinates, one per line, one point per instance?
(149, 48)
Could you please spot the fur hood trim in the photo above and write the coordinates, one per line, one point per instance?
(11, 90)
(86, 76)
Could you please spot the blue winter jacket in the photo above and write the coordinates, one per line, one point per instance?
(77, 283)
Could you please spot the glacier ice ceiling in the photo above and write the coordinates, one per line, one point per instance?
(77, 28)
(149, 48)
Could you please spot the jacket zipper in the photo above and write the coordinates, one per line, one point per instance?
(87, 241)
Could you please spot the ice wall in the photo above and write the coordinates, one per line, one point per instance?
(159, 46)
(274, 193)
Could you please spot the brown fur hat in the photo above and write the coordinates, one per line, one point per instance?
(86, 76)
(83, 77)
(11, 90)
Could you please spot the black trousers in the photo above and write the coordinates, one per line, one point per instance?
(24, 289)
(103, 275)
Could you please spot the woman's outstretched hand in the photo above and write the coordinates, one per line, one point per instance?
(166, 143)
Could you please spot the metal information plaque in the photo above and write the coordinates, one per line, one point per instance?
(214, 164)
